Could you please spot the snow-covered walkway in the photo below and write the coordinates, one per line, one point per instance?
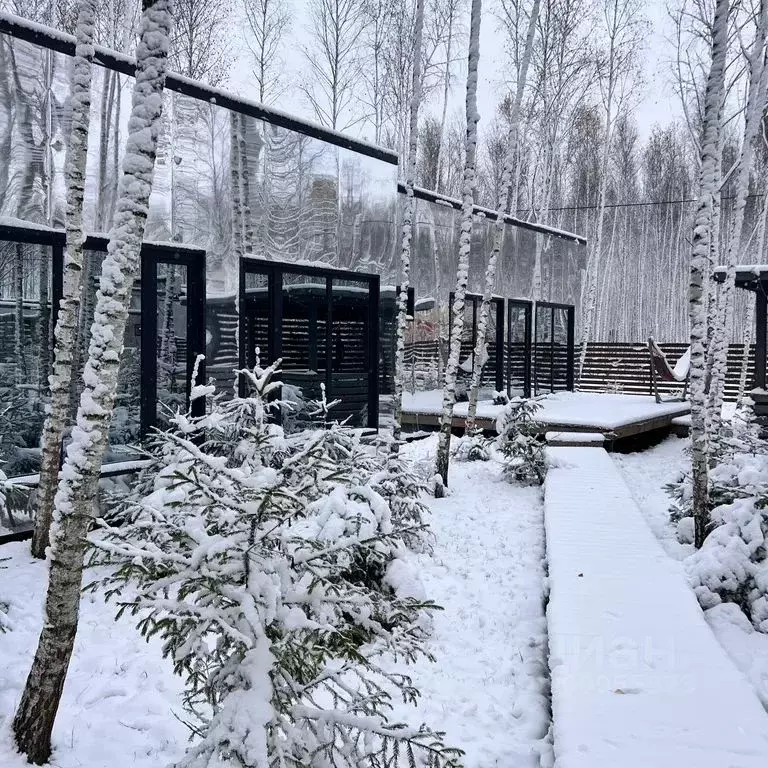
(638, 678)
(488, 689)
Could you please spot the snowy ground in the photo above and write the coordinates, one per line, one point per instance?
(120, 695)
(638, 678)
(646, 473)
(488, 689)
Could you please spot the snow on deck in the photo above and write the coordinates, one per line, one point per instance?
(595, 411)
(605, 411)
(638, 678)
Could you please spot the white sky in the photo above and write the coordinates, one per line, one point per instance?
(658, 103)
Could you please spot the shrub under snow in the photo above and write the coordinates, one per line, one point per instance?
(276, 570)
(519, 441)
(732, 564)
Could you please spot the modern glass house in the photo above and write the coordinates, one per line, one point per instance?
(267, 236)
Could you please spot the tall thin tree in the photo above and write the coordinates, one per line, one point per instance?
(700, 255)
(40, 699)
(498, 229)
(408, 217)
(69, 306)
(465, 243)
(756, 103)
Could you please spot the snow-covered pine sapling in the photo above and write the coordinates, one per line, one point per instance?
(473, 446)
(519, 441)
(276, 572)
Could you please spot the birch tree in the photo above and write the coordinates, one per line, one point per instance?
(465, 244)
(756, 102)
(36, 713)
(502, 203)
(408, 216)
(617, 79)
(69, 307)
(268, 22)
(333, 56)
(699, 266)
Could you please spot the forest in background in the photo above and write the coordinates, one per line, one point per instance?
(583, 163)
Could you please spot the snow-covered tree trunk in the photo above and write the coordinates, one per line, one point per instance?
(408, 218)
(756, 100)
(502, 203)
(700, 256)
(245, 184)
(65, 345)
(465, 244)
(80, 476)
(237, 192)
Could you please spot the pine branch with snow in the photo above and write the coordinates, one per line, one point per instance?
(277, 572)
(519, 441)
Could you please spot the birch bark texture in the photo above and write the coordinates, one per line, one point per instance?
(699, 269)
(35, 716)
(502, 204)
(465, 244)
(65, 335)
(615, 80)
(756, 100)
(408, 218)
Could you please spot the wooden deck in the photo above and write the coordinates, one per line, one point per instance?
(614, 416)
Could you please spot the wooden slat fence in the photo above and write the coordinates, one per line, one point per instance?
(625, 367)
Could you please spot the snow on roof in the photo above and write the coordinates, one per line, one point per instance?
(11, 221)
(743, 271)
(481, 211)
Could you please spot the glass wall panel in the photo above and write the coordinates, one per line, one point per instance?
(350, 350)
(25, 333)
(171, 343)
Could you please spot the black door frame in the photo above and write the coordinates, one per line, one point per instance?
(476, 300)
(274, 271)
(527, 307)
(153, 254)
(570, 318)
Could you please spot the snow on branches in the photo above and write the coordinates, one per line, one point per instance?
(277, 572)
(519, 443)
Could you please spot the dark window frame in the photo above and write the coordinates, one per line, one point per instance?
(476, 299)
(527, 307)
(570, 320)
(274, 271)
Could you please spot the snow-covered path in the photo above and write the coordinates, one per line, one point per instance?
(638, 678)
(488, 689)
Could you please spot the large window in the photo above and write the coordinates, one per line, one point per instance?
(323, 325)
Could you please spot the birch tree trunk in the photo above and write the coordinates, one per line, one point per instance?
(40, 700)
(408, 217)
(465, 243)
(65, 345)
(754, 112)
(502, 203)
(700, 258)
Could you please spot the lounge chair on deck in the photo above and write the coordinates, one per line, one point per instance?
(661, 370)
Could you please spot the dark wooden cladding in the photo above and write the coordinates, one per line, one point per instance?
(624, 367)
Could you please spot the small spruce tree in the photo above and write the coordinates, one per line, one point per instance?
(271, 567)
(519, 441)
